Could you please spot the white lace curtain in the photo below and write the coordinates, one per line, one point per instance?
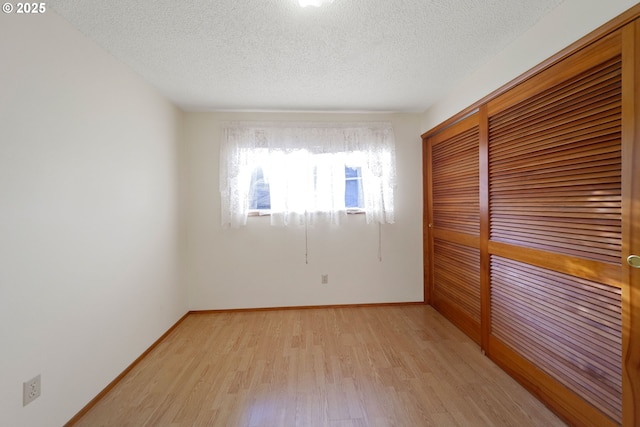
(304, 164)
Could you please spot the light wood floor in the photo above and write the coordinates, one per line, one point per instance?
(366, 366)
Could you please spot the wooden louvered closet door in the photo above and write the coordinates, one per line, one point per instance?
(533, 206)
(454, 222)
(555, 223)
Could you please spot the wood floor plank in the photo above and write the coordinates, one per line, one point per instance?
(351, 366)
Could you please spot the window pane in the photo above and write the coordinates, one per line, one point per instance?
(351, 172)
(259, 193)
(353, 187)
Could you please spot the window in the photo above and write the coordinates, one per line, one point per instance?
(260, 200)
(302, 173)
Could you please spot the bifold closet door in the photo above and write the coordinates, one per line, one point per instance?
(555, 223)
(453, 224)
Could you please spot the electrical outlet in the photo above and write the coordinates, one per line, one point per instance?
(30, 390)
(324, 279)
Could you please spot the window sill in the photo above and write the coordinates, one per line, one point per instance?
(350, 211)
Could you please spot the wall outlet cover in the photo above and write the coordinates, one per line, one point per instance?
(30, 390)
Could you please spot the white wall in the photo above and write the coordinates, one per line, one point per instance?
(90, 240)
(566, 24)
(264, 266)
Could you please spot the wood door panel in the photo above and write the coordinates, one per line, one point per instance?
(567, 326)
(457, 278)
(555, 171)
(555, 224)
(455, 183)
(454, 212)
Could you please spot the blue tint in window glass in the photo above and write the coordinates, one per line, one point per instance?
(351, 172)
(353, 187)
(259, 195)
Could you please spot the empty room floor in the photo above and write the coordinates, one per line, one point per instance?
(401, 365)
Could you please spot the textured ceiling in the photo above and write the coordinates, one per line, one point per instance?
(351, 55)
